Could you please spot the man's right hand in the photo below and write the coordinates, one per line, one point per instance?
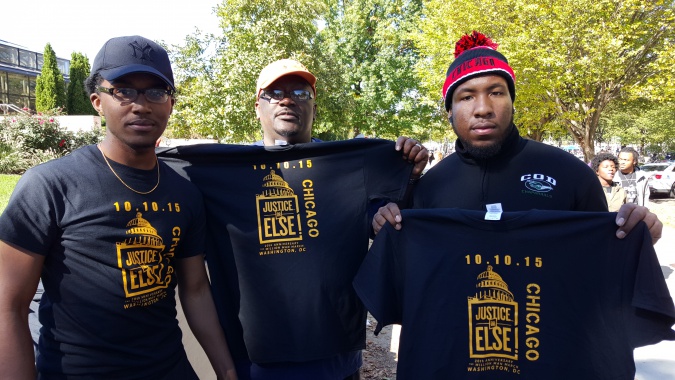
(389, 213)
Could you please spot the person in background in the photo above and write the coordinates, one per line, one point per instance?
(111, 231)
(629, 177)
(604, 165)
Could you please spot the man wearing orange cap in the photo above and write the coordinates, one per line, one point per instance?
(285, 105)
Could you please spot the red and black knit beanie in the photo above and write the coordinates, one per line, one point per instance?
(476, 55)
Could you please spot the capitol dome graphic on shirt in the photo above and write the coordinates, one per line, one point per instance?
(275, 186)
(143, 233)
(491, 286)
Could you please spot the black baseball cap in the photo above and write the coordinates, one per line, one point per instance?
(133, 54)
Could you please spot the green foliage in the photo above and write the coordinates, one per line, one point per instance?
(381, 64)
(648, 124)
(7, 184)
(217, 75)
(363, 60)
(368, 45)
(50, 90)
(78, 102)
(26, 141)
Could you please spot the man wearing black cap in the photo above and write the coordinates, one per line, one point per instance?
(493, 165)
(111, 231)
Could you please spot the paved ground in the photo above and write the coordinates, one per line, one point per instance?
(657, 362)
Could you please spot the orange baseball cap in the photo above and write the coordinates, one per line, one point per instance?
(281, 68)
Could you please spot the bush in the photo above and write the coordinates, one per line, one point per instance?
(26, 141)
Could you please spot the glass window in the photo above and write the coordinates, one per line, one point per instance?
(40, 61)
(9, 55)
(3, 82)
(19, 101)
(27, 59)
(64, 66)
(31, 85)
(18, 84)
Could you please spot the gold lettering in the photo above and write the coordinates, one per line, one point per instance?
(141, 257)
(278, 206)
(279, 226)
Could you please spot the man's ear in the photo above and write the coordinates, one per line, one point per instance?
(96, 102)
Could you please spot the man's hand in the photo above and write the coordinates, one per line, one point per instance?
(389, 213)
(414, 152)
(629, 215)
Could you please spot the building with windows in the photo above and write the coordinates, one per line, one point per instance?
(19, 67)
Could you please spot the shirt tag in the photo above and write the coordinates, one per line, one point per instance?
(494, 211)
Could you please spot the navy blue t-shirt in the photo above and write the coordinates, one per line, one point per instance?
(535, 295)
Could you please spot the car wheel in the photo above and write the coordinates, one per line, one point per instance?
(672, 190)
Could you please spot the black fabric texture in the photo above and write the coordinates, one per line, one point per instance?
(549, 294)
(282, 277)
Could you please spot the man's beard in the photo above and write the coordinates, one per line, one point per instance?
(483, 152)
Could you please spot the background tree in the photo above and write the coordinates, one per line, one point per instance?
(649, 125)
(369, 41)
(50, 91)
(77, 100)
(573, 58)
(360, 52)
(218, 73)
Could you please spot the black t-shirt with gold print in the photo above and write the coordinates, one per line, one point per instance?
(288, 228)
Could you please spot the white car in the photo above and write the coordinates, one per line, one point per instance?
(661, 178)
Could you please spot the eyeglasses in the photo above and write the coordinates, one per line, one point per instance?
(278, 95)
(153, 95)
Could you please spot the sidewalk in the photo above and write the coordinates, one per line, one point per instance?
(657, 362)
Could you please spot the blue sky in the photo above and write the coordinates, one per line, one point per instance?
(84, 26)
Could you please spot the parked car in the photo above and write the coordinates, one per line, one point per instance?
(660, 178)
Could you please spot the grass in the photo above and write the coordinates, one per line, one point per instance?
(7, 183)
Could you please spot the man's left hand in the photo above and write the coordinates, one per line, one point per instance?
(414, 152)
(630, 214)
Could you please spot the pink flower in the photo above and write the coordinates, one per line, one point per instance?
(62, 143)
(51, 119)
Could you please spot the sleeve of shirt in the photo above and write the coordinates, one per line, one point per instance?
(387, 173)
(377, 282)
(30, 219)
(654, 312)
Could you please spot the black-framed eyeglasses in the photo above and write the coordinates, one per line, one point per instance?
(278, 95)
(123, 94)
